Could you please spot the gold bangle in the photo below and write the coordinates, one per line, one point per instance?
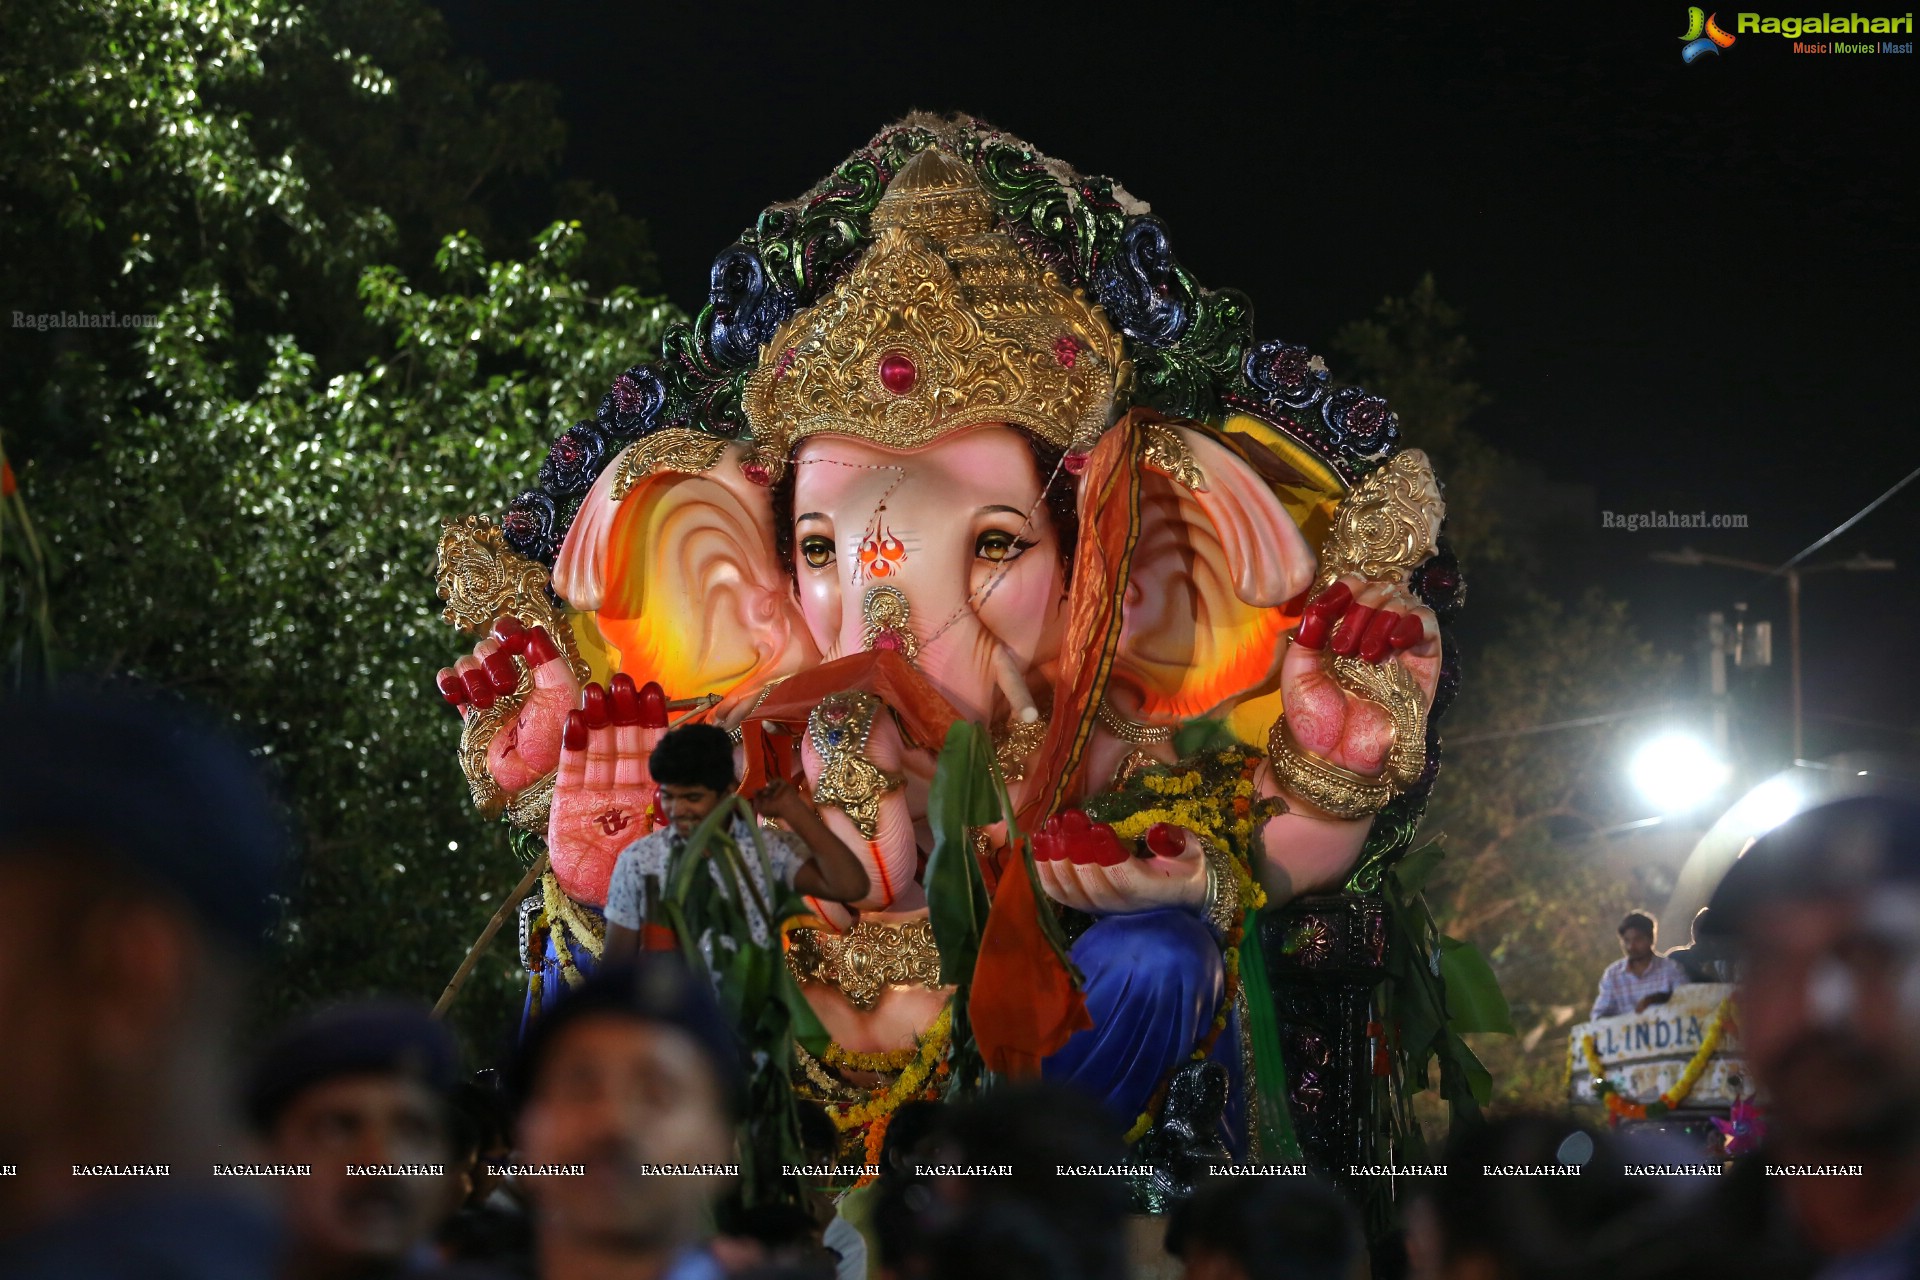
(1332, 790)
(1222, 907)
(1132, 731)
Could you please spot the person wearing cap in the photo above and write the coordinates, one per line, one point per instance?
(355, 1100)
(1706, 957)
(628, 1089)
(1825, 910)
(141, 851)
(693, 766)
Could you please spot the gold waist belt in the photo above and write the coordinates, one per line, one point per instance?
(868, 957)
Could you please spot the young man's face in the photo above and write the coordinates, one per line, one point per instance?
(1637, 943)
(686, 807)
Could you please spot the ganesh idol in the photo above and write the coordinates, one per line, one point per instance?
(958, 441)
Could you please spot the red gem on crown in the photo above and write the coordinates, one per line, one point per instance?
(1066, 350)
(897, 373)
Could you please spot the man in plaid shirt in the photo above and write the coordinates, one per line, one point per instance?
(1640, 977)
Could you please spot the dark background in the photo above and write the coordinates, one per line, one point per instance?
(1690, 287)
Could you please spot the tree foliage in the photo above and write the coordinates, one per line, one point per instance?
(241, 502)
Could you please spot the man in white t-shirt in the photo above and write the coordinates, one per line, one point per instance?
(693, 766)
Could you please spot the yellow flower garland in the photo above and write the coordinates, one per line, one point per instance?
(892, 1060)
(932, 1048)
(1696, 1067)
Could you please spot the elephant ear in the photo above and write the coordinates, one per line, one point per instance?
(673, 554)
(1219, 559)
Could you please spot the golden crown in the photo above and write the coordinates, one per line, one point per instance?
(943, 324)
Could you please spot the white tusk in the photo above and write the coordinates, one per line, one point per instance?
(1014, 685)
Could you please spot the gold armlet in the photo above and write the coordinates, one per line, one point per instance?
(839, 728)
(1134, 731)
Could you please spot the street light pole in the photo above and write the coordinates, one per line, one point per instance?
(1861, 563)
(1793, 650)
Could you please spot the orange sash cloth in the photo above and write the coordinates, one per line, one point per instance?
(1026, 1003)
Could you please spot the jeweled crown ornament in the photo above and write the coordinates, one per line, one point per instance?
(945, 323)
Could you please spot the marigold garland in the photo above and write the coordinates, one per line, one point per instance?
(892, 1060)
(928, 1061)
(1621, 1108)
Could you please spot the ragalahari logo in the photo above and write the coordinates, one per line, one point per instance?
(1703, 36)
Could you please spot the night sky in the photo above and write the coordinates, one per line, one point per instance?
(1691, 287)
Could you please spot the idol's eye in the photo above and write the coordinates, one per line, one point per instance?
(817, 550)
(999, 546)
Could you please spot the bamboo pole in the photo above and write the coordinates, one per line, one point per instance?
(460, 975)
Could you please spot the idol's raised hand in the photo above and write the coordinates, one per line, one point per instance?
(1375, 623)
(527, 747)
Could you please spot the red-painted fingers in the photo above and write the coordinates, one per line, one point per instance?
(1376, 641)
(1411, 630)
(474, 676)
(653, 706)
(540, 648)
(574, 736)
(1321, 613)
(511, 633)
(451, 687)
(1346, 636)
(502, 670)
(625, 699)
(595, 705)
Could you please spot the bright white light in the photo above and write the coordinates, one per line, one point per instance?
(1766, 806)
(1677, 772)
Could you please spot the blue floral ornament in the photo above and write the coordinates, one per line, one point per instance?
(1141, 286)
(532, 526)
(1362, 424)
(575, 460)
(743, 308)
(632, 407)
(1287, 374)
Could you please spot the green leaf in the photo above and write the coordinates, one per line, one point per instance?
(1461, 1074)
(1278, 1141)
(1202, 734)
(963, 795)
(1413, 871)
(1474, 999)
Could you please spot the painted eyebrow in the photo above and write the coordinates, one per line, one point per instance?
(1012, 511)
(811, 515)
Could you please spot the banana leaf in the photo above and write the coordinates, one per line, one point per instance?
(964, 794)
(1474, 999)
